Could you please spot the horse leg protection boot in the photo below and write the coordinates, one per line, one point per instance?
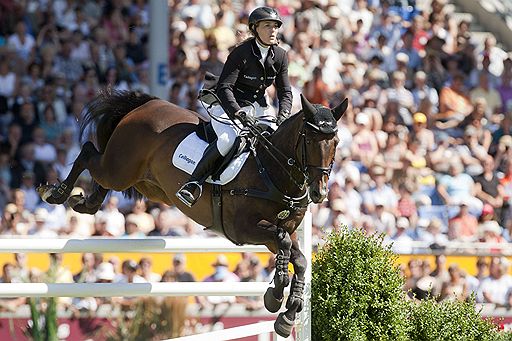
(203, 170)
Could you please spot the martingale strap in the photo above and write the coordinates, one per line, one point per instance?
(273, 193)
(218, 225)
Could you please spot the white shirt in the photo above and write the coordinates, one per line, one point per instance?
(45, 152)
(263, 51)
(7, 84)
(497, 289)
(22, 49)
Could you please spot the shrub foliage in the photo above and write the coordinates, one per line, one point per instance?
(357, 291)
(357, 295)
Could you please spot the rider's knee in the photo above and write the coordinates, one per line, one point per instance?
(225, 142)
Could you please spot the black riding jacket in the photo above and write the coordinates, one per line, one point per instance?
(244, 78)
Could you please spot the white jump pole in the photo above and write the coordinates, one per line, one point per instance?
(150, 245)
(132, 289)
(231, 333)
(303, 326)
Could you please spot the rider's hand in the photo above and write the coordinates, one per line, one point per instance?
(246, 119)
(281, 117)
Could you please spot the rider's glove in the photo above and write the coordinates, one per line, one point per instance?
(282, 116)
(246, 119)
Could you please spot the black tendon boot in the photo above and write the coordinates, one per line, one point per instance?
(203, 170)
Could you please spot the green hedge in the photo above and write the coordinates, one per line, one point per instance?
(357, 295)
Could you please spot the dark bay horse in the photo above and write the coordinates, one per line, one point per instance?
(136, 136)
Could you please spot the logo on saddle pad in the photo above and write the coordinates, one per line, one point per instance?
(190, 151)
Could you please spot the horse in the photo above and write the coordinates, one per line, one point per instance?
(137, 134)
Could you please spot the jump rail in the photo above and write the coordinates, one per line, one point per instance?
(132, 289)
(150, 244)
(231, 333)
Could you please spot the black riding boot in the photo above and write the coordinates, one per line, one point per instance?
(203, 170)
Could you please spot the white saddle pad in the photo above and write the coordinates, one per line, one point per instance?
(191, 150)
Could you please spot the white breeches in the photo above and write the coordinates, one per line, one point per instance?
(227, 132)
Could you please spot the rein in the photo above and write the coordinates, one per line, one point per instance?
(273, 193)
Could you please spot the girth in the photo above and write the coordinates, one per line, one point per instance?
(272, 194)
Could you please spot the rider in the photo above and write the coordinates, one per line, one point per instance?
(250, 68)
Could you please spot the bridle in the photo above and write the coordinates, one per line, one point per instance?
(321, 171)
(285, 162)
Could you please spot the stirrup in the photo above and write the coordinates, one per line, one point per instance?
(186, 196)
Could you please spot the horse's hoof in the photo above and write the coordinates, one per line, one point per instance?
(76, 200)
(283, 326)
(79, 204)
(46, 193)
(272, 304)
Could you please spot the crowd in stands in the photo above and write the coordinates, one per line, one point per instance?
(491, 284)
(426, 145)
(95, 268)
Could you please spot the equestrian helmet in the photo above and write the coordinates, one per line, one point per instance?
(263, 13)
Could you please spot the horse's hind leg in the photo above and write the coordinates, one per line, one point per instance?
(90, 204)
(58, 194)
(295, 302)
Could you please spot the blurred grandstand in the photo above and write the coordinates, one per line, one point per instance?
(425, 155)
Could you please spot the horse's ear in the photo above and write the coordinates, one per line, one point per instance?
(308, 108)
(340, 109)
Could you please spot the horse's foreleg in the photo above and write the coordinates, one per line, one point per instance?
(273, 298)
(90, 204)
(58, 194)
(295, 302)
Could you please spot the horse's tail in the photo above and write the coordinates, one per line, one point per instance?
(104, 113)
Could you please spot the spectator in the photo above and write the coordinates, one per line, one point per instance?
(456, 288)
(433, 234)
(457, 186)
(381, 191)
(489, 94)
(145, 220)
(221, 274)
(40, 229)
(21, 270)
(474, 282)
(402, 241)
(421, 90)
(145, 266)
(132, 227)
(267, 273)
(88, 272)
(364, 145)
(27, 163)
(488, 188)
(22, 42)
(115, 220)
(129, 273)
(44, 151)
(495, 287)
(440, 273)
(454, 104)
(10, 304)
(178, 269)
(464, 226)
(490, 232)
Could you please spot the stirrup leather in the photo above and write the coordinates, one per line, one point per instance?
(186, 196)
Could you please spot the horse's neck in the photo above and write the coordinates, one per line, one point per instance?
(285, 140)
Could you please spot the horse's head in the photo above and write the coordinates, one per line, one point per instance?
(319, 140)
